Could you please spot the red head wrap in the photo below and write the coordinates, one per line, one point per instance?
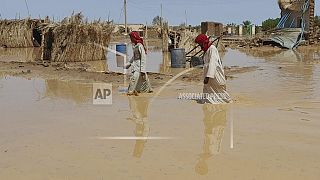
(203, 41)
(135, 38)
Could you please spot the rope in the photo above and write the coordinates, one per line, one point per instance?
(285, 18)
(304, 9)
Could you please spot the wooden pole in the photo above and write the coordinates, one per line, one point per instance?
(161, 26)
(161, 22)
(27, 7)
(185, 12)
(146, 35)
(311, 22)
(125, 17)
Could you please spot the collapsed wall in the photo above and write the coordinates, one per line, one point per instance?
(296, 23)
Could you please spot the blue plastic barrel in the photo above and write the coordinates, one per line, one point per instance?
(178, 58)
(121, 48)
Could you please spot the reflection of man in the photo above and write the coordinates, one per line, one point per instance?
(139, 108)
(214, 122)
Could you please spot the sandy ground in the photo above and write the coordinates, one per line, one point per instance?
(51, 130)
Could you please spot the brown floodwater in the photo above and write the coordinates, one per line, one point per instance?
(50, 129)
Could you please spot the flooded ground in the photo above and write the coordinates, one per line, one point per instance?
(158, 62)
(51, 130)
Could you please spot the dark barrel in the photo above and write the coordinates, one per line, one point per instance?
(197, 62)
(122, 48)
(178, 58)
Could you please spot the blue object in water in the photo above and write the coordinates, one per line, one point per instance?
(178, 58)
(121, 48)
(123, 90)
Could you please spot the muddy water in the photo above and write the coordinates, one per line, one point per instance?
(158, 62)
(51, 130)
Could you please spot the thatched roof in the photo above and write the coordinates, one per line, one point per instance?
(74, 39)
(17, 33)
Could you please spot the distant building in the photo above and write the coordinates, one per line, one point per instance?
(230, 30)
(131, 27)
(212, 28)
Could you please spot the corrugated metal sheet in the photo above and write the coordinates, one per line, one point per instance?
(288, 37)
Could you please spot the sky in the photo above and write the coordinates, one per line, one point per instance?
(143, 11)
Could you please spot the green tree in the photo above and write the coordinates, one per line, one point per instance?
(157, 20)
(270, 24)
(247, 23)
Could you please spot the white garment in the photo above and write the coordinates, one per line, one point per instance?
(213, 69)
(138, 62)
(139, 59)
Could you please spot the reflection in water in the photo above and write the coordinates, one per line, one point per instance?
(71, 90)
(304, 54)
(20, 54)
(165, 66)
(215, 118)
(293, 74)
(261, 53)
(139, 109)
(2, 75)
(34, 54)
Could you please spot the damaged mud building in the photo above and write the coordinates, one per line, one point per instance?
(296, 24)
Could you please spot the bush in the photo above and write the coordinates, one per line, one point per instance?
(270, 24)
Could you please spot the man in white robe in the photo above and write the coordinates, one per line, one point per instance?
(139, 81)
(214, 88)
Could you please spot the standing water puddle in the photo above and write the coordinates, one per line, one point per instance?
(49, 128)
